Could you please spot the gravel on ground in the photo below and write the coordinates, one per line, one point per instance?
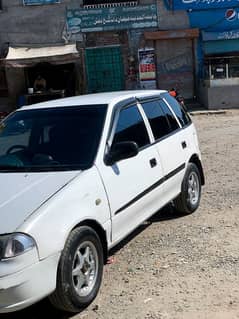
(178, 266)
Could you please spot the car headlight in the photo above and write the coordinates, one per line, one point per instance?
(13, 245)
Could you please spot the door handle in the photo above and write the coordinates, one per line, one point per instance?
(153, 162)
(184, 144)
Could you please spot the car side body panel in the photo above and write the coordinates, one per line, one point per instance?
(82, 199)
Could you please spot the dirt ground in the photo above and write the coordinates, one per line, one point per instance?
(178, 267)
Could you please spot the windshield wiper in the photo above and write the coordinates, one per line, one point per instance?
(35, 168)
(11, 168)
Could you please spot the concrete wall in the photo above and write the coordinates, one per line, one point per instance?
(43, 24)
(220, 97)
(16, 87)
(170, 20)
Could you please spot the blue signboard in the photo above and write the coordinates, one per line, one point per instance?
(35, 2)
(224, 35)
(200, 4)
(215, 20)
(115, 18)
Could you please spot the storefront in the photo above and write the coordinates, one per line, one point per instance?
(217, 49)
(220, 83)
(175, 59)
(59, 66)
(112, 31)
(219, 44)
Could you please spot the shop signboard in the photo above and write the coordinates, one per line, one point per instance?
(147, 68)
(200, 4)
(37, 2)
(225, 35)
(215, 20)
(115, 18)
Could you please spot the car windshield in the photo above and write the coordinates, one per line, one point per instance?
(50, 139)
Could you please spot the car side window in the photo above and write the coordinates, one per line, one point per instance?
(181, 114)
(157, 119)
(171, 118)
(131, 127)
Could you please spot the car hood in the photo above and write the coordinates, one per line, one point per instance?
(23, 193)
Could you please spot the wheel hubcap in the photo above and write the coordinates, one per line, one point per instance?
(85, 268)
(193, 188)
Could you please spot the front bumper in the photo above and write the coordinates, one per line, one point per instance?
(29, 285)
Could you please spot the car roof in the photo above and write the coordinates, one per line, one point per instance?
(94, 99)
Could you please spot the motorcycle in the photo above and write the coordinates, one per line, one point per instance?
(173, 92)
(3, 115)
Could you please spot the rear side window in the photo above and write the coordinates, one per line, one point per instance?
(131, 127)
(171, 118)
(157, 119)
(181, 114)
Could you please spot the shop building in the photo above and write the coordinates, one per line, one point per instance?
(32, 44)
(147, 58)
(86, 46)
(76, 46)
(91, 46)
(217, 53)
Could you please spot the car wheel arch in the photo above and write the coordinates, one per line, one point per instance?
(195, 159)
(100, 232)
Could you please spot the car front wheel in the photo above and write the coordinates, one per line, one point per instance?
(80, 271)
(189, 198)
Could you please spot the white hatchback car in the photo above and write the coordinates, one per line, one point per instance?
(77, 175)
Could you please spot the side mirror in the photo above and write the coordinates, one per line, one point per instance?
(120, 151)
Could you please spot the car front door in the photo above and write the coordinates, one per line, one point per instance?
(133, 185)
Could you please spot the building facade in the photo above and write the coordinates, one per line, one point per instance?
(83, 46)
(86, 46)
(217, 52)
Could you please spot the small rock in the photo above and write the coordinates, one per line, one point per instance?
(95, 308)
(165, 266)
(147, 300)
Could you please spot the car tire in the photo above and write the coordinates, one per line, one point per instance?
(80, 271)
(189, 198)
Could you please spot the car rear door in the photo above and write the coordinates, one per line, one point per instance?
(170, 143)
(133, 185)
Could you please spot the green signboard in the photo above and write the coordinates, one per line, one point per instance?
(115, 18)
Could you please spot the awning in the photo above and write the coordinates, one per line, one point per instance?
(27, 56)
(221, 47)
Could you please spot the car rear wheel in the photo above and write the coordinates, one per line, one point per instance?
(189, 198)
(80, 271)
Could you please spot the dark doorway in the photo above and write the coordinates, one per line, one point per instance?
(58, 77)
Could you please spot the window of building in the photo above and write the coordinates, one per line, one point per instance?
(157, 119)
(108, 3)
(131, 127)
(233, 67)
(218, 69)
(221, 68)
(0, 4)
